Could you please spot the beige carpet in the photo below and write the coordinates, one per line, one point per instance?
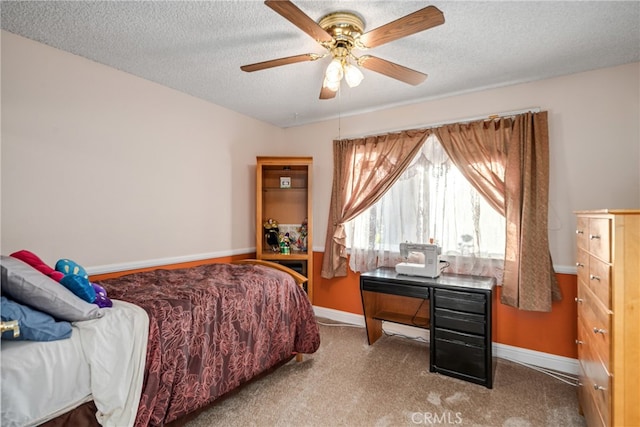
(349, 383)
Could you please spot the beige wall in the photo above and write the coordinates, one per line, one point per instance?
(594, 137)
(106, 168)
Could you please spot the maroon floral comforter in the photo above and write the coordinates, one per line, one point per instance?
(212, 328)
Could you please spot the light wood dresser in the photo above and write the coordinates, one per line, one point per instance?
(608, 305)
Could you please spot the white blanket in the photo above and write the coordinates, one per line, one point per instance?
(103, 360)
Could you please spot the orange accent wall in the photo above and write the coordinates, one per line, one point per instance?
(554, 332)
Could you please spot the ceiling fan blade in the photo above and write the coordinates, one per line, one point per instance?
(280, 61)
(415, 22)
(326, 93)
(392, 70)
(293, 14)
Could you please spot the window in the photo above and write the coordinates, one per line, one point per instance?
(431, 200)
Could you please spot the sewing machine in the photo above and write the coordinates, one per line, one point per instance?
(421, 259)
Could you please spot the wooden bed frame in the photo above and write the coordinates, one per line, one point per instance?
(299, 278)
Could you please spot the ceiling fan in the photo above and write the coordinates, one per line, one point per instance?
(342, 32)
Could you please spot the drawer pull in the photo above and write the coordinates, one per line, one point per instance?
(579, 264)
(578, 300)
(579, 342)
(594, 277)
(598, 387)
(594, 236)
(599, 331)
(579, 232)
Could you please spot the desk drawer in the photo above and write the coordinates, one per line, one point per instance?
(459, 321)
(395, 288)
(460, 338)
(460, 358)
(462, 301)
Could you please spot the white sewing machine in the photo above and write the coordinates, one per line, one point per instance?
(421, 259)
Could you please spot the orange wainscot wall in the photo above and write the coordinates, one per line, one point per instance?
(554, 332)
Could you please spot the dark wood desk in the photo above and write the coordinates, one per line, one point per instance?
(455, 308)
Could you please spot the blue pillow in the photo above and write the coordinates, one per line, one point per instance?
(34, 325)
(80, 286)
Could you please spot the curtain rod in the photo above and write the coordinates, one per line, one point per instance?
(461, 121)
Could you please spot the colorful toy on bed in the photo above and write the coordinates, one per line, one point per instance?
(67, 266)
(77, 281)
(102, 300)
(80, 286)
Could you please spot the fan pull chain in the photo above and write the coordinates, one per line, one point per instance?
(339, 115)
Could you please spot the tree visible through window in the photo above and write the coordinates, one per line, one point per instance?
(431, 200)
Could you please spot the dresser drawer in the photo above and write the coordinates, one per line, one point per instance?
(588, 404)
(582, 264)
(599, 238)
(599, 280)
(596, 381)
(593, 344)
(582, 233)
(461, 301)
(459, 321)
(593, 235)
(594, 327)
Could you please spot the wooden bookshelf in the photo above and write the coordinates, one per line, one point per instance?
(284, 194)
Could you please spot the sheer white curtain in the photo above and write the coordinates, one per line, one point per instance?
(431, 200)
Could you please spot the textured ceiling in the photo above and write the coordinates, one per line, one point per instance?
(198, 47)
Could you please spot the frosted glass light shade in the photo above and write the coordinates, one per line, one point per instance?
(333, 86)
(334, 71)
(353, 75)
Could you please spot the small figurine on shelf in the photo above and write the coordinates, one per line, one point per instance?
(272, 234)
(301, 243)
(285, 244)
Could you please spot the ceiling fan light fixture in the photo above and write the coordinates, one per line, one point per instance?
(352, 75)
(332, 85)
(341, 32)
(334, 71)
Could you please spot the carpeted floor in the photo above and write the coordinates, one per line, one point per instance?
(349, 383)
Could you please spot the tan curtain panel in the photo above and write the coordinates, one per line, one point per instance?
(529, 279)
(363, 170)
(507, 161)
(479, 151)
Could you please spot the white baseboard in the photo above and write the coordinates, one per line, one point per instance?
(536, 358)
(503, 351)
(339, 316)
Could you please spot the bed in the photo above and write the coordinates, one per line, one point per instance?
(209, 329)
